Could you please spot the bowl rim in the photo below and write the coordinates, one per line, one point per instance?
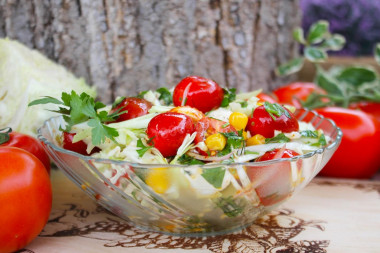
(321, 150)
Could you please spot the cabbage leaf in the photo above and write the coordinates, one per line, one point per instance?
(26, 75)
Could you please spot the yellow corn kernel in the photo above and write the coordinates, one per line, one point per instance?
(238, 120)
(245, 135)
(158, 179)
(257, 139)
(216, 142)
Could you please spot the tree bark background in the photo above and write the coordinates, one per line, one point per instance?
(126, 46)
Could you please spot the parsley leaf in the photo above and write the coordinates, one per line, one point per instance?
(280, 138)
(117, 102)
(165, 95)
(77, 109)
(309, 134)
(229, 96)
(229, 206)
(214, 176)
(188, 160)
(141, 94)
(275, 109)
(233, 139)
(45, 100)
(243, 104)
(142, 147)
(100, 131)
(321, 141)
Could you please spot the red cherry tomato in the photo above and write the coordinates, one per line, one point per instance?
(192, 112)
(29, 144)
(168, 130)
(79, 146)
(358, 154)
(274, 180)
(271, 98)
(293, 92)
(25, 197)
(201, 93)
(134, 107)
(262, 123)
(276, 154)
(208, 126)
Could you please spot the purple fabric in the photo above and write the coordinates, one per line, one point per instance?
(357, 20)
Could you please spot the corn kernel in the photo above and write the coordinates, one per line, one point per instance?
(216, 142)
(245, 135)
(158, 180)
(257, 139)
(238, 120)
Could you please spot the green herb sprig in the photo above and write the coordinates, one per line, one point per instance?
(343, 85)
(229, 96)
(81, 108)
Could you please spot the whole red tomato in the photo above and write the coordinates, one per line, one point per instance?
(25, 197)
(274, 180)
(29, 144)
(261, 122)
(133, 108)
(168, 130)
(201, 93)
(293, 93)
(358, 154)
(372, 108)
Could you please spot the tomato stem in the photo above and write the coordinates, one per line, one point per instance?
(4, 135)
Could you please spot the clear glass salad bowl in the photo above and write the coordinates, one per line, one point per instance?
(188, 206)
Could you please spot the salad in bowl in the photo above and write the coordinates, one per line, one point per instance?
(193, 160)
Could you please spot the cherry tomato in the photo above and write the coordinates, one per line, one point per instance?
(271, 98)
(25, 197)
(201, 93)
(262, 123)
(79, 146)
(168, 130)
(29, 144)
(358, 154)
(133, 108)
(192, 112)
(208, 126)
(293, 93)
(276, 154)
(274, 180)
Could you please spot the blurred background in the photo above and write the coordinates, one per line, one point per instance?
(357, 20)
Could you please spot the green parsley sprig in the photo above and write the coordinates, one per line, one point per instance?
(81, 108)
(276, 109)
(229, 96)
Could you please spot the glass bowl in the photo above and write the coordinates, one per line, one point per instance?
(179, 202)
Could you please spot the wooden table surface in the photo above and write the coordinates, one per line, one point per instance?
(329, 215)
